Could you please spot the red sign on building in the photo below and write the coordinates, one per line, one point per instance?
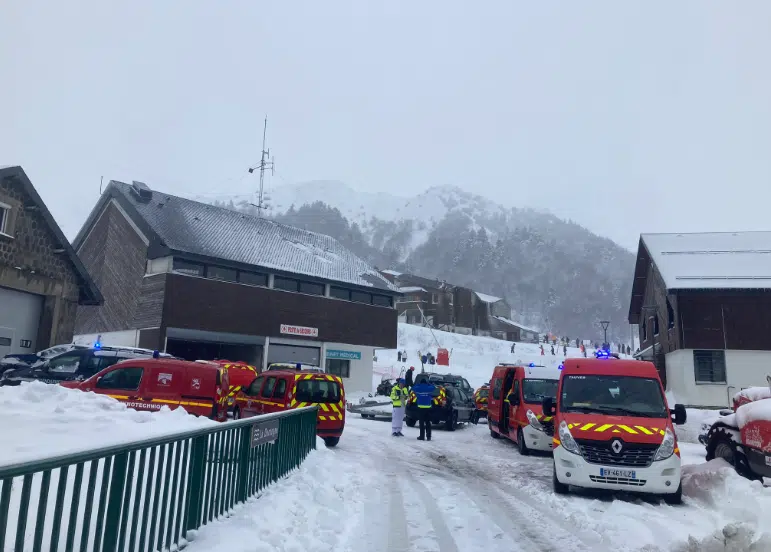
(303, 331)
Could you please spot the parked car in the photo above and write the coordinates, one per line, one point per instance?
(21, 361)
(78, 364)
(515, 409)
(613, 428)
(452, 403)
(150, 384)
(277, 390)
(743, 439)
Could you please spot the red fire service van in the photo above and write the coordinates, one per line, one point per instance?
(514, 407)
(283, 389)
(613, 428)
(151, 384)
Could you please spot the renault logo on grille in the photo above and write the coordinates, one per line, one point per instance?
(616, 446)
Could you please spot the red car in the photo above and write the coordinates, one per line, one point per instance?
(283, 389)
(150, 384)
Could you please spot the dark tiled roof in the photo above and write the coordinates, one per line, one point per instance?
(89, 293)
(204, 230)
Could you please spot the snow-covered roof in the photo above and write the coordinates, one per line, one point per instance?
(517, 324)
(205, 231)
(391, 272)
(410, 289)
(713, 260)
(487, 298)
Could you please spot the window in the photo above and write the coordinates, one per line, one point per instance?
(221, 273)
(709, 366)
(5, 216)
(311, 288)
(670, 316)
(287, 284)
(318, 391)
(613, 395)
(5, 342)
(254, 387)
(267, 391)
(536, 390)
(97, 363)
(656, 325)
(339, 367)
(644, 327)
(450, 299)
(497, 389)
(361, 297)
(185, 267)
(253, 279)
(280, 390)
(64, 364)
(340, 293)
(381, 300)
(434, 298)
(126, 378)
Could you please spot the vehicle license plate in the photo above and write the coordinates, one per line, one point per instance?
(614, 472)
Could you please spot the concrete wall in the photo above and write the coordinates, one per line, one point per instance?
(743, 369)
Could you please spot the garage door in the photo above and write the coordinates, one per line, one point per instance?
(19, 321)
(293, 354)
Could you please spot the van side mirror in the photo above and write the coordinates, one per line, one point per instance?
(678, 414)
(548, 406)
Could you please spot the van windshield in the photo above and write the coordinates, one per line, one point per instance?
(534, 391)
(318, 391)
(483, 393)
(616, 395)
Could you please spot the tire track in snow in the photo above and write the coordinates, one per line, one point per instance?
(444, 537)
(398, 537)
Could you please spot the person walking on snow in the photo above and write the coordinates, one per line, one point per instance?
(409, 377)
(542, 353)
(565, 350)
(399, 356)
(552, 350)
(399, 401)
(513, 345)
(424, 396)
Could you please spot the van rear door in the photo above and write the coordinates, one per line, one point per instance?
(323, 390)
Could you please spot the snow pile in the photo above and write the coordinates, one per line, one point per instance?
(754, 393)
(41, 420)
(315, 508)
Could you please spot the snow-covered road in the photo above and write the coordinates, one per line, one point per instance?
(467, 491)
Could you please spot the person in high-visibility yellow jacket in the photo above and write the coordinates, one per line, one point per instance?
(399, 394)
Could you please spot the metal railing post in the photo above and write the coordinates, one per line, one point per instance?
(115, 502)
(245, 447)
(195, 481)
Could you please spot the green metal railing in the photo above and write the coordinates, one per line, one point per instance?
(148, 495)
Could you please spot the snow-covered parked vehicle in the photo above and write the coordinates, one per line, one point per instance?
(743, 439)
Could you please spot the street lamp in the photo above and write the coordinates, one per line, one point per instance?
(605, 324)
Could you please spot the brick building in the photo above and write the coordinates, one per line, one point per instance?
(203, 282)
(42, 281)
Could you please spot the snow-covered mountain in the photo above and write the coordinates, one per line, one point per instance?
(555, 274)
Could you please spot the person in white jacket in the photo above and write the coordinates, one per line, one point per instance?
(399, 394)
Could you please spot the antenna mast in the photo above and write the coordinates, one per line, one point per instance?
(264, 164)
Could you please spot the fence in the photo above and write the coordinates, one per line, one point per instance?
(148, 495)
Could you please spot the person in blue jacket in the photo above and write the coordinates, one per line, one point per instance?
(424, 397)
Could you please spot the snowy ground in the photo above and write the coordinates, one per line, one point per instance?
(467, 491)
(472, 357)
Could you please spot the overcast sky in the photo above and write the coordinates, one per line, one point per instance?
(627, 117)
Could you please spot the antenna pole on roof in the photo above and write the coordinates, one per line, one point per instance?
(264, 164)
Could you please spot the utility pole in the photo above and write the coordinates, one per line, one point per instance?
(264, 164)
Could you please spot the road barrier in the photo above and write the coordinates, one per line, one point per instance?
(152, 494)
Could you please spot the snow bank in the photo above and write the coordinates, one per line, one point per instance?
(40, 420)
(313, 509)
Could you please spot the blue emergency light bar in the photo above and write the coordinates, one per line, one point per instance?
(602, 353)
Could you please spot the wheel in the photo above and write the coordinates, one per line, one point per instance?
(493, 434)
(236, 413)
(410, 422)
(676, 497)
(721, 444)
(331, 441)
(452, 421)
(521, 445)
(365, 415)
(559, 488)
